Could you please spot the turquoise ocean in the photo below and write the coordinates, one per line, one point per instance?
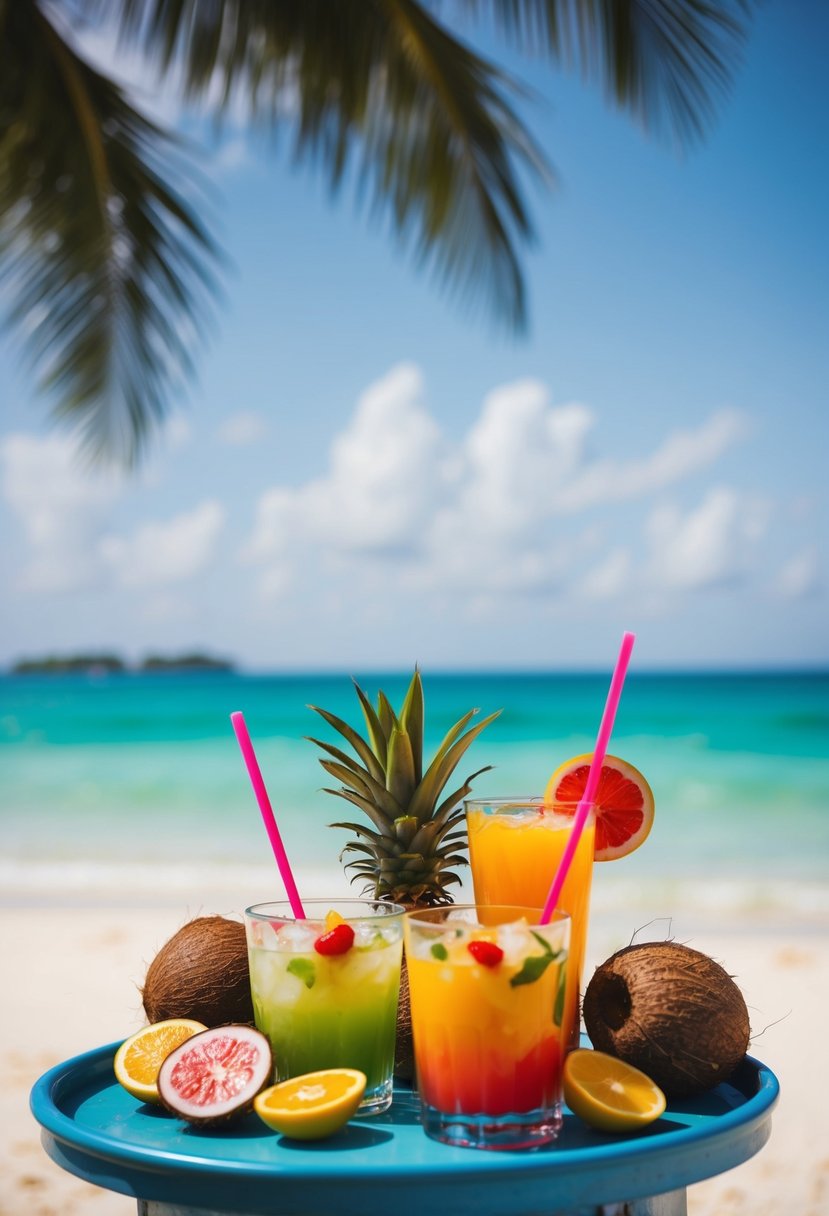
(132, 785)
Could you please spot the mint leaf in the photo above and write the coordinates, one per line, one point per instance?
(304, 970)
(532, 969)
(545, 945)
(558, 1008)
(440, 951)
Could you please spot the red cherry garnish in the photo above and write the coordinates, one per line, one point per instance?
(485, 953)
(338, 940)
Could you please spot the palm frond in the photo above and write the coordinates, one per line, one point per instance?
(107, 269)
(667, 62)
(377, 93)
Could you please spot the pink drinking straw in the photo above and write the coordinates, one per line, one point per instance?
(599, 753)
(241, 732)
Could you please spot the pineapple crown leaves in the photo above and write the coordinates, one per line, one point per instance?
(406, 879)
(414, 837)
(389, 783)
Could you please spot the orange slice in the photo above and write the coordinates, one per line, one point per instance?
(609, 1094)
(624, 802)
(314, 1105)
(139, 1057)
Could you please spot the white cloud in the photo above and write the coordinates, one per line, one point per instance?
(243, 428)
(165, 608)
(377, 494)
(161, 554)
(62, 508)
(709, 545)
(610, 577)
(800, 576)
(677, 457)
(399, 511)
(488, 515)
(65, 511)
(491, 532)
(518, 454)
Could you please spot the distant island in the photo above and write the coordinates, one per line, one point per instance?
(189, 662)
(105, 664)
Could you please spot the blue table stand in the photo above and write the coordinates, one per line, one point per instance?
(95, 1130)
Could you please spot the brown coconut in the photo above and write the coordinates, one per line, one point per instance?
(201, 973)
(670, 1011)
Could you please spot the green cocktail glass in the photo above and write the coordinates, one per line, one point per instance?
(325, 989)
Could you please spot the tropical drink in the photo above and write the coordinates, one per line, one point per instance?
(487, 991)
(325, 989)
(515, 846)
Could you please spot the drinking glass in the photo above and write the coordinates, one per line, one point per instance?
(322, 1006)
(515, 846)
(487, 998)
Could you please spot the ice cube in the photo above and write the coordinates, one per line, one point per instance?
(265, 970)
(369, 967)
(263, 935)
(298, 939)
(288, 989)
(516, 942)
(364, 936)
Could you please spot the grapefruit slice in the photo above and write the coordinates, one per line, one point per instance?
(215, 1075)
(609, 1094)
(624, 802)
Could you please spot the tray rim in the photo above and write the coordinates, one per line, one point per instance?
(630, 1151)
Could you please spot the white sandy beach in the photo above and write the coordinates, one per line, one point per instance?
(79, 970)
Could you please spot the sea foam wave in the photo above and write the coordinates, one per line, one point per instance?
(745, 902)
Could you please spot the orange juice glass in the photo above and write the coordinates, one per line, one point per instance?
(487, 988)
(515, 846)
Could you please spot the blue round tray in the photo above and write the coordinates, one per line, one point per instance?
(95, 1130)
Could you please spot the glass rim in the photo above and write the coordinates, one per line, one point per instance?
(557, 918)
(280, 909)
(537, 801)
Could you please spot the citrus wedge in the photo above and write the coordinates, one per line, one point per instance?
(314, 1105)
(624, 802)
(139, 1057)
(609, 1094)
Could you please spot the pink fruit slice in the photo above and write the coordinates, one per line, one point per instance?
(215, 1075)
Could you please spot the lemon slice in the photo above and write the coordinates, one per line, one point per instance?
(609, 1094)
(314, 1105)
(139, 1057)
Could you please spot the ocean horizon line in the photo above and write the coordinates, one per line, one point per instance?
(132, 669)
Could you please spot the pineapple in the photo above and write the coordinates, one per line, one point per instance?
(409, 853)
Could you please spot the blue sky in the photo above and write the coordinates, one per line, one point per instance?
(365, 475)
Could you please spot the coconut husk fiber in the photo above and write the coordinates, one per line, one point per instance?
(201, 973)
(670, 1011)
